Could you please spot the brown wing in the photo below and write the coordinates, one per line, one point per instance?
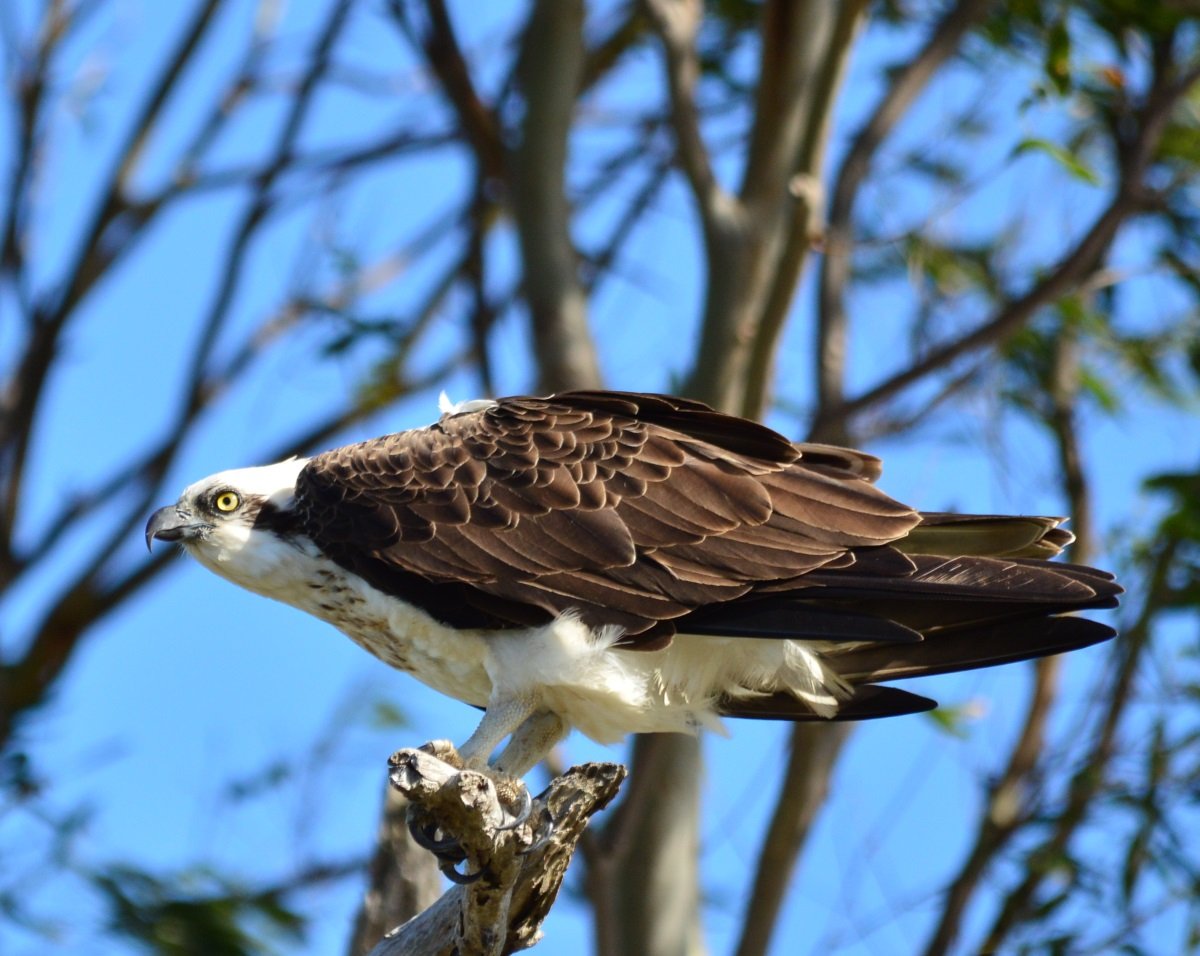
(631, 509)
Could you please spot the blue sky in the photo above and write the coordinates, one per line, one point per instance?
(196, 683)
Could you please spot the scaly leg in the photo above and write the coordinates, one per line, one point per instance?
(532, 736)
(529, 745)
(530, 742)
(501, 718)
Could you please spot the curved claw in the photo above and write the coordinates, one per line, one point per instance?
(462, 879)
(541, 834)
(513, 820)
(429, 836)
(444, 848)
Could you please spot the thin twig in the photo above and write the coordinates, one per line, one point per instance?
(444, 56)
(1129, 198)
(902, 92)
(677, 23)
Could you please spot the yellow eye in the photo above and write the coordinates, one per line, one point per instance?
(227, 501)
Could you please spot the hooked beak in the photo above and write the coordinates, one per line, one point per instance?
(172, 524)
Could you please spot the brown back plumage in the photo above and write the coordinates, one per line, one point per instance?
(660, 515)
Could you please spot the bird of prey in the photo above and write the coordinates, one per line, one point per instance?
(623, 563)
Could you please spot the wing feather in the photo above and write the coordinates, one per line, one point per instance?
(630, 509)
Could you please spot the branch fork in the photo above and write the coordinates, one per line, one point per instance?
(514, 864)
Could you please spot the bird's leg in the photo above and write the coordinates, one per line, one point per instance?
(532, 734)
(530, 742)
(501, 718)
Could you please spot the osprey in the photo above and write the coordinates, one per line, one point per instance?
(626, 563)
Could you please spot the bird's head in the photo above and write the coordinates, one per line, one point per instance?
(231, 521)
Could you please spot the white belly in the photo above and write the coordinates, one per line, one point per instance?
(564, 666)
(576, 672)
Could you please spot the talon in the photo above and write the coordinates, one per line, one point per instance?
(462, 879)
(449, 852)
(444, 848)
(428, 835)
(513, 820)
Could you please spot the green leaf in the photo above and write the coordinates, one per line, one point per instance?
(386, 715)
(1058, 58)
(190, 913)
(1100, 390)
(1068, 160)
(954, 720)
(1180, 142)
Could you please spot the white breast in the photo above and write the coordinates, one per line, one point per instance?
(564, 666)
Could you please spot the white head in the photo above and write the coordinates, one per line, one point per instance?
(232, 521)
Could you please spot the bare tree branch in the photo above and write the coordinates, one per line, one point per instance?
(519, 874)
(605, 53)
(604, 852)
(549, 72)
(806, 201)
(603, 261)
(655, 893)
(677, 23)
(30, 84)
(445, 58)
(795, 39)
(402, 878)
(904, 89)
(814, 750)
(1129, 199)
(742, 246)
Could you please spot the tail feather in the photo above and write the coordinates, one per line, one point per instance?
(997, 536)
(994, 580)
(853, 605)
(868, 703)
(968, 591)
(968, 648)
(798, 619)
(894, 613)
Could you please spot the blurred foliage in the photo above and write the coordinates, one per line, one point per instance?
(196, 914)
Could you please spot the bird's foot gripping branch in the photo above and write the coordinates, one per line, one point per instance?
(513, 850)
(492, 804)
